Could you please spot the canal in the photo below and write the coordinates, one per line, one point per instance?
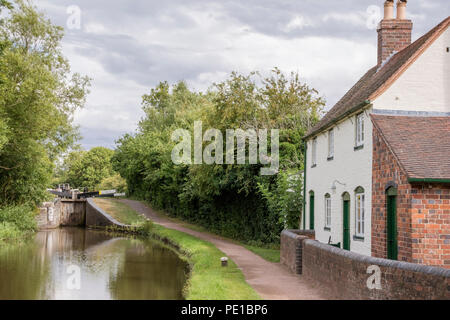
(76, 263)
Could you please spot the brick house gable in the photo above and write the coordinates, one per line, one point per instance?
(423, 209)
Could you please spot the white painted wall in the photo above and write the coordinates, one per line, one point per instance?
(425, 85)
(354, 168)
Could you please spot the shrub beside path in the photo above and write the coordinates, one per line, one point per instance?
(272, 281)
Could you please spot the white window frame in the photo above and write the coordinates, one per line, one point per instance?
(331, 143)
(328, 211)
(359, 130)
(314, 151)
(359, 214)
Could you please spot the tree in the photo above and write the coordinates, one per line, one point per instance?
(233, 200)
(38, 97)
(88, 169)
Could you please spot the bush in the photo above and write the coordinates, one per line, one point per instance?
(16, 222)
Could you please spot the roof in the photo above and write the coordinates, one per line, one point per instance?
(377, 80)
(421, 144)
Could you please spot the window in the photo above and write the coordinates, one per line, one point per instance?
(327, 211)
(330, 144)
(314, 151)
(359, 214)
(360, 130)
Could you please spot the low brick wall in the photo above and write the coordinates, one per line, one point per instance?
(346, 275)
(292, 248)
(96, 217)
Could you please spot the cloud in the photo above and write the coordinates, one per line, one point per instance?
(127, 47)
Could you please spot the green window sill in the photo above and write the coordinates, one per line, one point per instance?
(359, 147)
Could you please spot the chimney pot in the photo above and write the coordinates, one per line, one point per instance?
(401, 9)
(389, 10)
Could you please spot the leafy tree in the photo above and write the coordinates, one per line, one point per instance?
(115, 182)
(233, 200)
(38, 97)
(88, 169)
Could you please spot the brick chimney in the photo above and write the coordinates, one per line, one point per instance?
(393, 34)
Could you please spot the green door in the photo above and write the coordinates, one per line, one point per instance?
(392, 246)
(311, 211)
(346, 231)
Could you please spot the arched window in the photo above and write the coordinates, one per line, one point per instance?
(359, 212)
(327, 211)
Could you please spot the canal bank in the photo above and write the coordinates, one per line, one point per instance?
(207, 280)
(272, 281)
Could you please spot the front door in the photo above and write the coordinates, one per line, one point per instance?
(346, 224)
(392, 246)
(311, 211)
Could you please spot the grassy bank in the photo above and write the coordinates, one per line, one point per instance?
(208, 279)
(16, 222)
(268, 252)
(119, 211)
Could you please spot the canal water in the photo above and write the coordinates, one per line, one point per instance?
(75, 263)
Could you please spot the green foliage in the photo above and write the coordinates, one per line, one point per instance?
(15, 222)
(115, 182)
(284, 198)
(146, 228)
(233, 200)
(38, 96)
(89, 169)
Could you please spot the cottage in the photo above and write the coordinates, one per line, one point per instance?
(377, 175)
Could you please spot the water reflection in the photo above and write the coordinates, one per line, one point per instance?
(54, 263)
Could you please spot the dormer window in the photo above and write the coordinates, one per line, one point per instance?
(360, 130)
(314, 152)
(331, 144)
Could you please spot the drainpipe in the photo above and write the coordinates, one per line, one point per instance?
(305, 148)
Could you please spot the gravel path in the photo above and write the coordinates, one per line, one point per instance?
(272, 281)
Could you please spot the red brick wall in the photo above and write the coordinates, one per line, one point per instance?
(386, 171)
(423, 212)
(431, 224)
(393, 35)
(291, 251)
(345, 275)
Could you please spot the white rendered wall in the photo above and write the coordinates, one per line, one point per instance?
(425, 85)
(354, 168)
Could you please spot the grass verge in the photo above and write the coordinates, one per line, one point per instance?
(269, 254)
(208, 279)
(119, 211)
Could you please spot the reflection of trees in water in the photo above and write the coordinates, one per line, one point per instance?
(24, 271)
(149, 272)
(114, 267)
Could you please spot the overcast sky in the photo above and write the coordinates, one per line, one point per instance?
(128, 46)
